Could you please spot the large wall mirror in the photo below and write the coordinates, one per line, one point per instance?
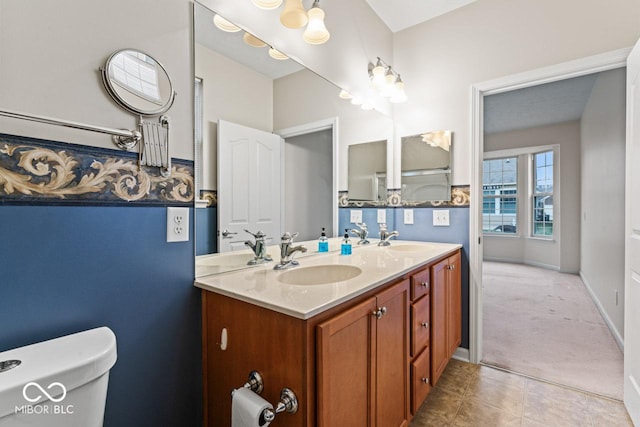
(368, 172)
(426, 167)
(243, 84)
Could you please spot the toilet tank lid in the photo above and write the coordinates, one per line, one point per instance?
(72, 360)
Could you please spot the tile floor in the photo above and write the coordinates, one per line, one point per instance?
(480, 396)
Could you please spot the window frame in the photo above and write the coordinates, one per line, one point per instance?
(515, 195)
(534, 194)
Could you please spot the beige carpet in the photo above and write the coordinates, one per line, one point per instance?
(544, 324)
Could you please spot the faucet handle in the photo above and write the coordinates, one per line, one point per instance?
(383, 226)
(288, 237)
(362, 225)
(258, 235)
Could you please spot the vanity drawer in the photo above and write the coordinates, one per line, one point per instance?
(419, 325)
(420, 381)
(420, 284)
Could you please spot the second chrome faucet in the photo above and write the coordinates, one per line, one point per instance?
(287, 250)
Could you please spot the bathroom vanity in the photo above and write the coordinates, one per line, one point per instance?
(360, 339)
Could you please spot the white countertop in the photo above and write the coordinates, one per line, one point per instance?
(259, 285)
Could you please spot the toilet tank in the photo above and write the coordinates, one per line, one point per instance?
(60, 382)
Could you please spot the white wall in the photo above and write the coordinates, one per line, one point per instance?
(51, 52)
(561, 253)
(603, 171)
(439, 60)
(231, 92)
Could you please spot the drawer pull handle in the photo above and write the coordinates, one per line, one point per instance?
(425, 380)
(425, 324)
(424, 284)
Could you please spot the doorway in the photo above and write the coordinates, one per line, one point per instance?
(604, 62)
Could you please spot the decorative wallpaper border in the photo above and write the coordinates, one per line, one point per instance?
(210, 196)
(41, 172)
(460, 198)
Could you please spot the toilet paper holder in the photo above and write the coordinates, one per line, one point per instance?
(288, 400)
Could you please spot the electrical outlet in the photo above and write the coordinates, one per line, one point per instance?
(177, 224)
(408, 216)
(382, 216)
(441, 217)
(356, 216)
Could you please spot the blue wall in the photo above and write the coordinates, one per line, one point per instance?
(207, 227)
(423, 230)
(65, 269)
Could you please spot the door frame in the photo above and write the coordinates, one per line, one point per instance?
(566, 70)
(312, 127)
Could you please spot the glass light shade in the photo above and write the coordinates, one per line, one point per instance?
(225, 25)
(316, 32)
(252, 40)
(388, 88)
(293, 15)
(377, 80)
(399, 95)
(267, 4)
(276, 54)
(344, 94)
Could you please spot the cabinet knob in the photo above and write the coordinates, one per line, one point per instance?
(381, 311)
(424, 284)
(425, 380)
(425, 324)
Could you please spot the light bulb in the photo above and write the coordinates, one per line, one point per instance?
(377, 79)
(225, 25)
(276, 54)
(252, 40)
(316, 32)
(293, 15)
(267, 4)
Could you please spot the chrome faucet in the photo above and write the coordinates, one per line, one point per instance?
(259, 248)
(362, 232)
(385, 235)
(287, 251)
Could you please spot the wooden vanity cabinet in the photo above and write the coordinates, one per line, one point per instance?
(446, 312)
(420, 337)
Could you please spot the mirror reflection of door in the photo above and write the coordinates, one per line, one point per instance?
(249, 187)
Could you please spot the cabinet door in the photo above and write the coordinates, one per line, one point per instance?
(346, 350)
(454, 305)
(392, 386)
(438, 342)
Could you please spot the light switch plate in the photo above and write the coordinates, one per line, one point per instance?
(382, 216)
(177, 224)
(441, 217)
(356, 216)
(408, 216)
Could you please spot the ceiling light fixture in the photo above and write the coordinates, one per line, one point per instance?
(293, 15)
(252, 40)
(316, 32)
(267, 4)
(225, 25)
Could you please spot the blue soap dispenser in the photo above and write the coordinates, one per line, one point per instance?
(345, 248)
(323, 242)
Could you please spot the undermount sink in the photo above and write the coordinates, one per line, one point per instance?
(409, 248)
(319, 274)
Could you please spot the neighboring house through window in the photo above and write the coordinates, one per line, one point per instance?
(500, 195)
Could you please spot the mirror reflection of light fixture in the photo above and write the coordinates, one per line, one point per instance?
(252, 40)
(441, 138)
(293, 15)
(344, 94)
(316, 32)
(225, 25)
(267, 4)
(276, 54)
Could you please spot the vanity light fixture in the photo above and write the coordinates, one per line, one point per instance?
(389, 84)
(225, 25)
(441, 138)
(267, 4)
(276, 54)
(293, 15)
(316, 32)
(252, 40)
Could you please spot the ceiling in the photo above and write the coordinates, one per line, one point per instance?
(539, 105)
(401, 14)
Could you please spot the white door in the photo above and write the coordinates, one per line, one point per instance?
(249, 190)
(632, 244)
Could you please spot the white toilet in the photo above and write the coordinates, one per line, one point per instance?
(60, 382)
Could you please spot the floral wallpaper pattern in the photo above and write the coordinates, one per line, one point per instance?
(460, 197)
(34, 171)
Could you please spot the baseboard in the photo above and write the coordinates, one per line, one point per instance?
(605, 316)
(497, 259)
(542, 265)
(462, 354)
(521, 262)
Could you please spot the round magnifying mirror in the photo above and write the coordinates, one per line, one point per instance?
(138, 83)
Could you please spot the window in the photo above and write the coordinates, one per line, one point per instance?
(542, 194)
(500, 195)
